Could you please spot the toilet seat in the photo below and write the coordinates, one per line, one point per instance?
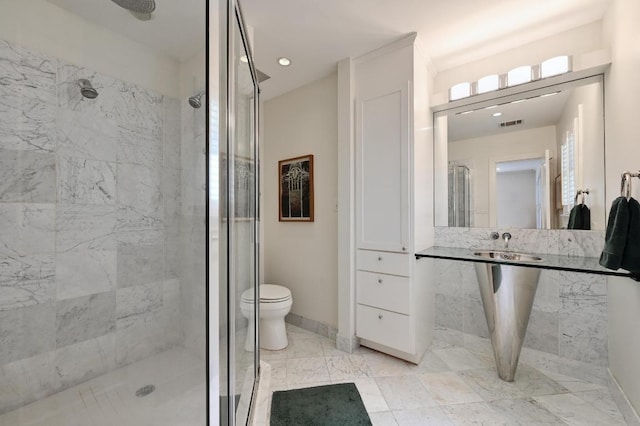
(269, 293)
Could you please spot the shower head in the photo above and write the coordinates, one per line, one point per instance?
(86, 89)
(195, 100)
(137, 6)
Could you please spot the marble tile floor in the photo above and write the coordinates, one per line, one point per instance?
(451, 386)
(109, 400)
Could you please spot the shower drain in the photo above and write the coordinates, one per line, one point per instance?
(145, 390)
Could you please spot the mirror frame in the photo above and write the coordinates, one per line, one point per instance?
(502, 96)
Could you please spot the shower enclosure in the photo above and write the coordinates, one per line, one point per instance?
(459, 196)
(127, 213)
(238, 150)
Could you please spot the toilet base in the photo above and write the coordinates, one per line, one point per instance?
(273, 335)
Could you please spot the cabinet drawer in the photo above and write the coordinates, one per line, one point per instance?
(384, 262)
(384, 291)
(384, 327)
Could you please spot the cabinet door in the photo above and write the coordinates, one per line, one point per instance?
(382, 171)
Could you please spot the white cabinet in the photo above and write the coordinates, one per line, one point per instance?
(394, 301)
(382, 170)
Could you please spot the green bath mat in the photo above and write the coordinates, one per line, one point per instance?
(331, 405)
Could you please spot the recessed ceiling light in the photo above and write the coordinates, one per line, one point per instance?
(549, 94)
(285, 62)
(497, 114)
(492, 106)
(518, 101)
(244, 59)
(466, 112)
(497, 169)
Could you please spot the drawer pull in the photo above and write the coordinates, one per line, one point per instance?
(404, 248)
(379, 280)
(379, 258)
(379, 316)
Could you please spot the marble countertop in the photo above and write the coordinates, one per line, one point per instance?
(550, 261)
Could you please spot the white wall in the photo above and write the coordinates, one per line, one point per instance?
(302, 256)
(441, 171)
(345, 339)
(423, 151)
(623, 153)
(516, 207)
(585, 39)
(478, 153)
(49, 29)
(192, 76)
(586, 102)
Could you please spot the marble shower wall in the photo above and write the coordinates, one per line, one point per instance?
(569, 316)
(89, 212)
(193, 230)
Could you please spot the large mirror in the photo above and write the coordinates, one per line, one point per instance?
(532, 160)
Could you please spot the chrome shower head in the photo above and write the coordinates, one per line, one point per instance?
(137, 6)
(195, 101)
(86, 89)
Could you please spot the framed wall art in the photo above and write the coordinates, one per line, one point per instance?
(295, 177)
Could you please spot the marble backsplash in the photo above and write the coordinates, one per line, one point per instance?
(569, 316)
(554, 241)
(89, 225)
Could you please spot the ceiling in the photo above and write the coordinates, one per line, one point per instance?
(316, 34)
(534, 113)
(176, 28)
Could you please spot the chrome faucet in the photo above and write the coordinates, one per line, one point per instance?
(506, 237)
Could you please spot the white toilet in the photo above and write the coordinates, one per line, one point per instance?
(275, 304)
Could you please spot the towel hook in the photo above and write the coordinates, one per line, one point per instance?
(583, 193)
(625, 185)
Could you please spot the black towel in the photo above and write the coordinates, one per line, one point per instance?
(575, 218)
(580, 217)
(631, 254)
(586, 217)
(616, 235)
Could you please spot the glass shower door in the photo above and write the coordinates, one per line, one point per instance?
(240, 228)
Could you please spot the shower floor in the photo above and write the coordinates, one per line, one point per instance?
(108, 400)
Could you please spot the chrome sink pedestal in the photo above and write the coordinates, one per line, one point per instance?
(507, 293)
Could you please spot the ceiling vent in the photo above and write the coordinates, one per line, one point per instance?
(510, 123)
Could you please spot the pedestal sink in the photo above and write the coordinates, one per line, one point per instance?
(507, 293)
